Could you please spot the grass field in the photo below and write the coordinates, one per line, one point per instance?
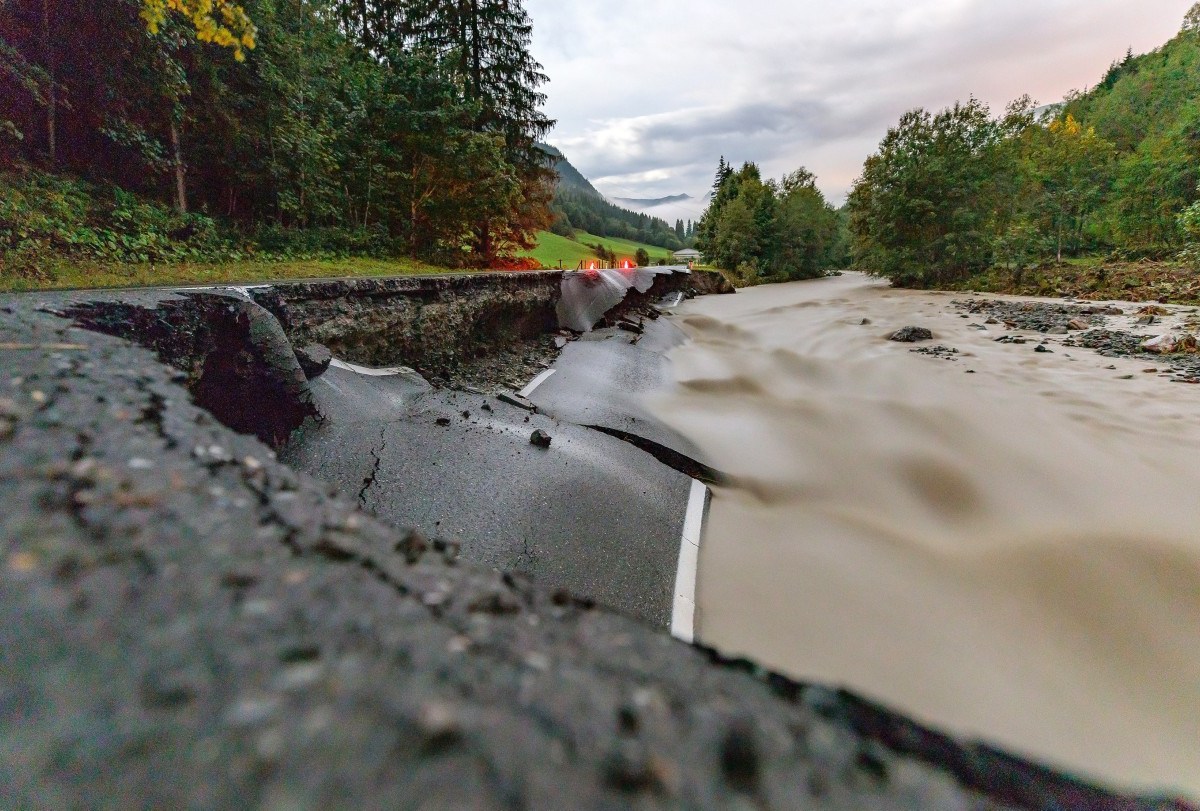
(64, 274)
(553, 249)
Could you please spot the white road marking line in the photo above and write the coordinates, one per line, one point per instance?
(368, 371)
(683, 613)
(537, 381)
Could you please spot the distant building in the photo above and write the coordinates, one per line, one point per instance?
(688, 255)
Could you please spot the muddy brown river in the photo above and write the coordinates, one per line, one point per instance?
(1006, 544)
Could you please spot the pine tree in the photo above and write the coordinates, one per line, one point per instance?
(724, 170)
(485, 45)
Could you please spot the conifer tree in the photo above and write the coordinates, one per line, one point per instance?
(485, 44)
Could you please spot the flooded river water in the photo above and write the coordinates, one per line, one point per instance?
(1005, 544)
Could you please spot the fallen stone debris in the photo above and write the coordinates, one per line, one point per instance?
(1035, 316)
(1184, 365)
(314, 360)
(1085, 325)
(939, 351)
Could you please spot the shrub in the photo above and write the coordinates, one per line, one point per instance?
(43, 214)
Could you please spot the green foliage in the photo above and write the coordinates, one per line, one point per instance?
(351, 127)
(767, 231)
(43, 215)
(922, 209)
(1148, 106)
(1189, 226)
(1071, 170)
(949, 195)
(47, 218)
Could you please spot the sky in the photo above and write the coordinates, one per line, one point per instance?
(648, 94)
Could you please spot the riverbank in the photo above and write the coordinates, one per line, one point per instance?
(1095, 279)
(997, 536)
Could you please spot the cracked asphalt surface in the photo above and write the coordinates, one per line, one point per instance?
(591, 513)
(187, 622)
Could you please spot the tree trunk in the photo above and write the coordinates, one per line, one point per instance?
(180, 171)
(366, 218)
(485, 243)
(51, 90)
(476, 53)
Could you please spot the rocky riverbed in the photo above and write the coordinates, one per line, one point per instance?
(1090, 326)
(1182, 367)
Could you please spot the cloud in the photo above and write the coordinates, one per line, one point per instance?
(649, 93)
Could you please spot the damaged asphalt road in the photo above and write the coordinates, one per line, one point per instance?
(187, 622)
(593, 513)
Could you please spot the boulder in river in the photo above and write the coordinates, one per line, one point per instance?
(910, 335)
(1077, 324)
(1160, 345)
(1171, 344)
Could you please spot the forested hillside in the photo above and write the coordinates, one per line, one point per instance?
(1113, 172)
(146, 129)
(578, 206)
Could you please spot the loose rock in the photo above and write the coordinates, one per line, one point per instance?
(314, 359)
(540, 439)
(911, 335)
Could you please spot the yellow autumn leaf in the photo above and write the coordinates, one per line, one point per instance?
(220, 22)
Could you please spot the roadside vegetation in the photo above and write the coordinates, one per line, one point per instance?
(769, 231)
(1096, 195)
(60, 274)
(172, 133)
(553, 250)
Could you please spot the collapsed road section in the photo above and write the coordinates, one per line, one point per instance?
(186, 621)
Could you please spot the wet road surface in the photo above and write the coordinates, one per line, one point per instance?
(592, 513)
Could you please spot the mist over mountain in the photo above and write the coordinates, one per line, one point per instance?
(639, 202)
(578, 205)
